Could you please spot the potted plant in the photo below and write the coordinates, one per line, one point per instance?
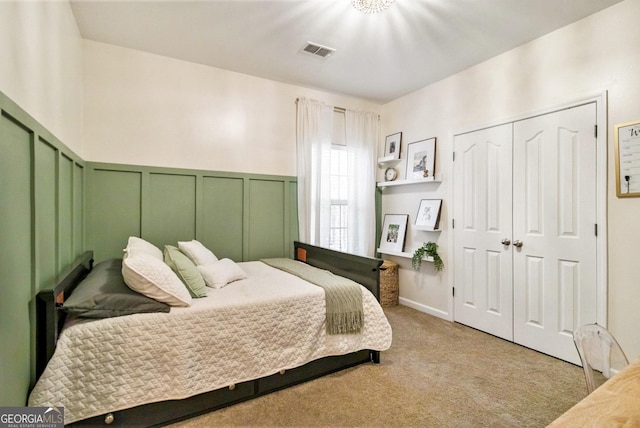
(428, 249)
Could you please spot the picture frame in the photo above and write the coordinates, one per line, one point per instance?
(392, 145)
(394, 229)
(421, 159)
(428, 216)
(627, 152)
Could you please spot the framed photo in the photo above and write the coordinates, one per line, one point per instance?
(394, 229)
(392, 146)
(421, 159)
(428, 216)
(627, 149)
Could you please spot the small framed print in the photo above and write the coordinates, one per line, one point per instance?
(421, 159)
(428, 216)
(392, 146)
(394, 229)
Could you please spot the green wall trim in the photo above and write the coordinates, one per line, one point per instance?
(42, 230)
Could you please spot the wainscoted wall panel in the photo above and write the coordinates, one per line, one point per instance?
(15, 230)
(172, 208)
(78, 207)
(268, 216)
(115, 209)
(65, 192)
(293, 214)
(46, 161)
(238, 216)
(41, 230)
(221, 225)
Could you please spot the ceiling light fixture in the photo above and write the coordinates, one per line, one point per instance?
(371, 6)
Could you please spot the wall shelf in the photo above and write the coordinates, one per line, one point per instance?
(403, 254)
(387, 161)
(426, 229)
(436, 179)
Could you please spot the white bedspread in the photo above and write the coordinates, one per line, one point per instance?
(249, 329)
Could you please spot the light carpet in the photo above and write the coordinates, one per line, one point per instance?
(436, 374)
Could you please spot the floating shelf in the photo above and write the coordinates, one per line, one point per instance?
(387, 160)
(435, 179)
(426, 229)
(403, 254)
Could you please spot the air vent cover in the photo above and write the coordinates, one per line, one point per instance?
(318, 50)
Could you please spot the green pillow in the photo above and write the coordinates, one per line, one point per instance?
(186, 271)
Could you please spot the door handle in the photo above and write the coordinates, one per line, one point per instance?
(506, 241)
(517, 243)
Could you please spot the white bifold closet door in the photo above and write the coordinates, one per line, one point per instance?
(524, 236)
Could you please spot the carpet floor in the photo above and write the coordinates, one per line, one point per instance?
(436, 374)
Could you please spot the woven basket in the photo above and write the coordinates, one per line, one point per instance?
(389, 288)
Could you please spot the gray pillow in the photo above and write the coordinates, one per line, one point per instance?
(103, 294)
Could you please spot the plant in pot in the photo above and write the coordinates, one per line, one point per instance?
(428, 249)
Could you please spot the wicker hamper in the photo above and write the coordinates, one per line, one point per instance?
(389, 289)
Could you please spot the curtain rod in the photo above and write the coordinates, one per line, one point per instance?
(335, 108)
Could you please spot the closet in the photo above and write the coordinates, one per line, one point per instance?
(525, 228)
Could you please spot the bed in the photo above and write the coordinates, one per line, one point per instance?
(148, 369)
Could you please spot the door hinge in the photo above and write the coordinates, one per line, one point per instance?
(453, 290)
(596, 229)
(595, 131)
(453, 223)
(454, 156)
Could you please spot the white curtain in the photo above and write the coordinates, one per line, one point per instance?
(314, 126)
(361, 141)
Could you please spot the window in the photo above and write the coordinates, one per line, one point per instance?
(339, 199)
(339, 228)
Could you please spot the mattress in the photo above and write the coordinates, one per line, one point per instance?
(249, 329)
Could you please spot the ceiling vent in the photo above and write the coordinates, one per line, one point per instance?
(317, 50)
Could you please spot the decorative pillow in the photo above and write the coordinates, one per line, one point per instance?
(220, 273)
(186, 271)
(137, 245)
(154, 278)
(103, 294)
(198, 253)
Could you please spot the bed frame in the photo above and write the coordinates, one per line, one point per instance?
(49, 321)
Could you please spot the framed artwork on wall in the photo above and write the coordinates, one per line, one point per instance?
(421, 159)
(392, 146)
(428, 216)
(394, 229)
(627, 145)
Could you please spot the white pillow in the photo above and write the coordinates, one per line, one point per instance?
(198, 253)
(154, 278)
(137, 245)
(220, 273)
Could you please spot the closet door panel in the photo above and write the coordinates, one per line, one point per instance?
(482, 210)
(554, 213)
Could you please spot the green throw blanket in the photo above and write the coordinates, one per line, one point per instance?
(343, 296)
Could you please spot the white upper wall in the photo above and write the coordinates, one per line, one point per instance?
(146, 109)
(598, 53)
(41, 65)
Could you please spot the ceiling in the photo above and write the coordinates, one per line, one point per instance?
(378, 57)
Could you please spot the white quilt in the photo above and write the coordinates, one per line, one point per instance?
(249, 329)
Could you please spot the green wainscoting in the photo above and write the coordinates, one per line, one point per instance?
(238, 216)
(41, 233)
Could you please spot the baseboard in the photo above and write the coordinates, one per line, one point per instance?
(426, 309)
